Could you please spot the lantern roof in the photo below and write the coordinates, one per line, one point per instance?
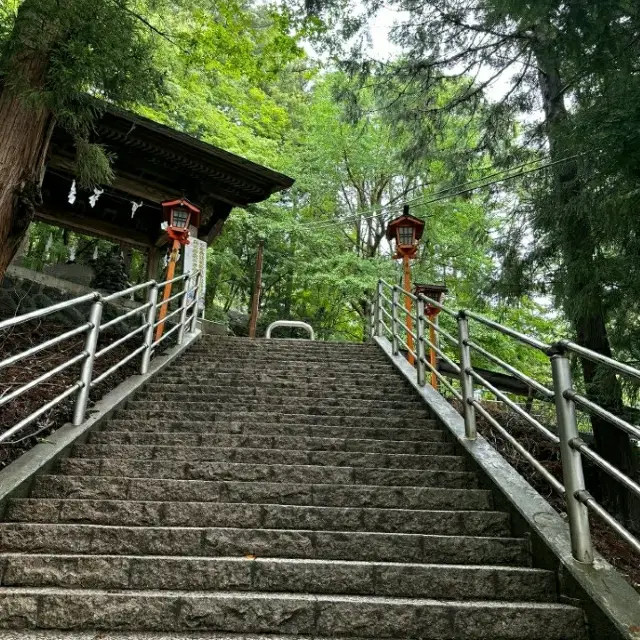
(183, 202)
(429, 290)
(403, 221)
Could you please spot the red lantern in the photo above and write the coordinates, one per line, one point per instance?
(406, 231)
(179, 215)
(436, 292)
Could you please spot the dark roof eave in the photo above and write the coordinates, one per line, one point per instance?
(277, 181)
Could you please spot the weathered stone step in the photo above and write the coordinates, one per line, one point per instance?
(276, 389)
(413, 407)
(328, 495)
(369, 381)
(294, 543)
(241, 472)
(330, 615)
(279, 575)
(265, 361)
(257, 516)
(271, 442)
(227, 343)
(271, 456)
(421, 433)
(267, 394)
(319, 370)
(358, 355)
(334, 417)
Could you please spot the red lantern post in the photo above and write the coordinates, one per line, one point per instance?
(406, 231)
(178, 216)
(437, 293)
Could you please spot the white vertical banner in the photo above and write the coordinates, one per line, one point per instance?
(195, 259)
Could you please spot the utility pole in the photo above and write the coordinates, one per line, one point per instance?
(255, 302)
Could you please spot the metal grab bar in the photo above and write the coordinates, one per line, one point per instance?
(292, 324)
(89, 353)
(567, 400)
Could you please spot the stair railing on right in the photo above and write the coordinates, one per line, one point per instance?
(389, 319)
(92, 330)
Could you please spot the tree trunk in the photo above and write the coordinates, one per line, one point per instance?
(25, 131)
(583, 291)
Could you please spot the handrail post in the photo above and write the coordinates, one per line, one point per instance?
(572, 472)
(378, 329)
(420, 347)
(152, 300)
(184, 302)
(86, 373)
(395, 346)
(466, 381)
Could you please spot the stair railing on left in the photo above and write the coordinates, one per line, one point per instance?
(92, 329)
(389, 319)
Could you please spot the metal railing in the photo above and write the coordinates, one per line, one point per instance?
(291, 324)
(93, 329)
(388, 319)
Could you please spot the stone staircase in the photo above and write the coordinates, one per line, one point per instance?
(271, 487)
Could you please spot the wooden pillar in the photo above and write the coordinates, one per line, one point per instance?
(255, 303)
(153, 259)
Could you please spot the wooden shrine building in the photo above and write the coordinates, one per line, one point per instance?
(152, 163)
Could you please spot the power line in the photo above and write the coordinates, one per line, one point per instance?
(418, 198)
(443, 194)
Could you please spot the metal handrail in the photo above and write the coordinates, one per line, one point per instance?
(184, 276)
(566, 399)
(40, 313)
(441, 378)
(512, 405)
(117, 343)
(129, 291)
(592, 407)
(521, 337)
(43, 378)
(170, 299)
(89, 353)
(45, 345)
(512, 370)
(124, 316)
(169, 315)
(599, 358)
(291, 324)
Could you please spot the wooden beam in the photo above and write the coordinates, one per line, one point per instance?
(93, 227)
(138, 187)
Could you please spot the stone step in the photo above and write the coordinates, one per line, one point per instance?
(257, 516)
(246, 345)
(413, 407)
(319, 370)
(243, 472)
(302, 442)
(209, 428)
(437, 581)
(293, 543)
(309, 406)
(248, 355)
(166, 390)
(329, 495)
(368, 381)
(333, 417)
(271, 456)
(318, 614)
(283, 397)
